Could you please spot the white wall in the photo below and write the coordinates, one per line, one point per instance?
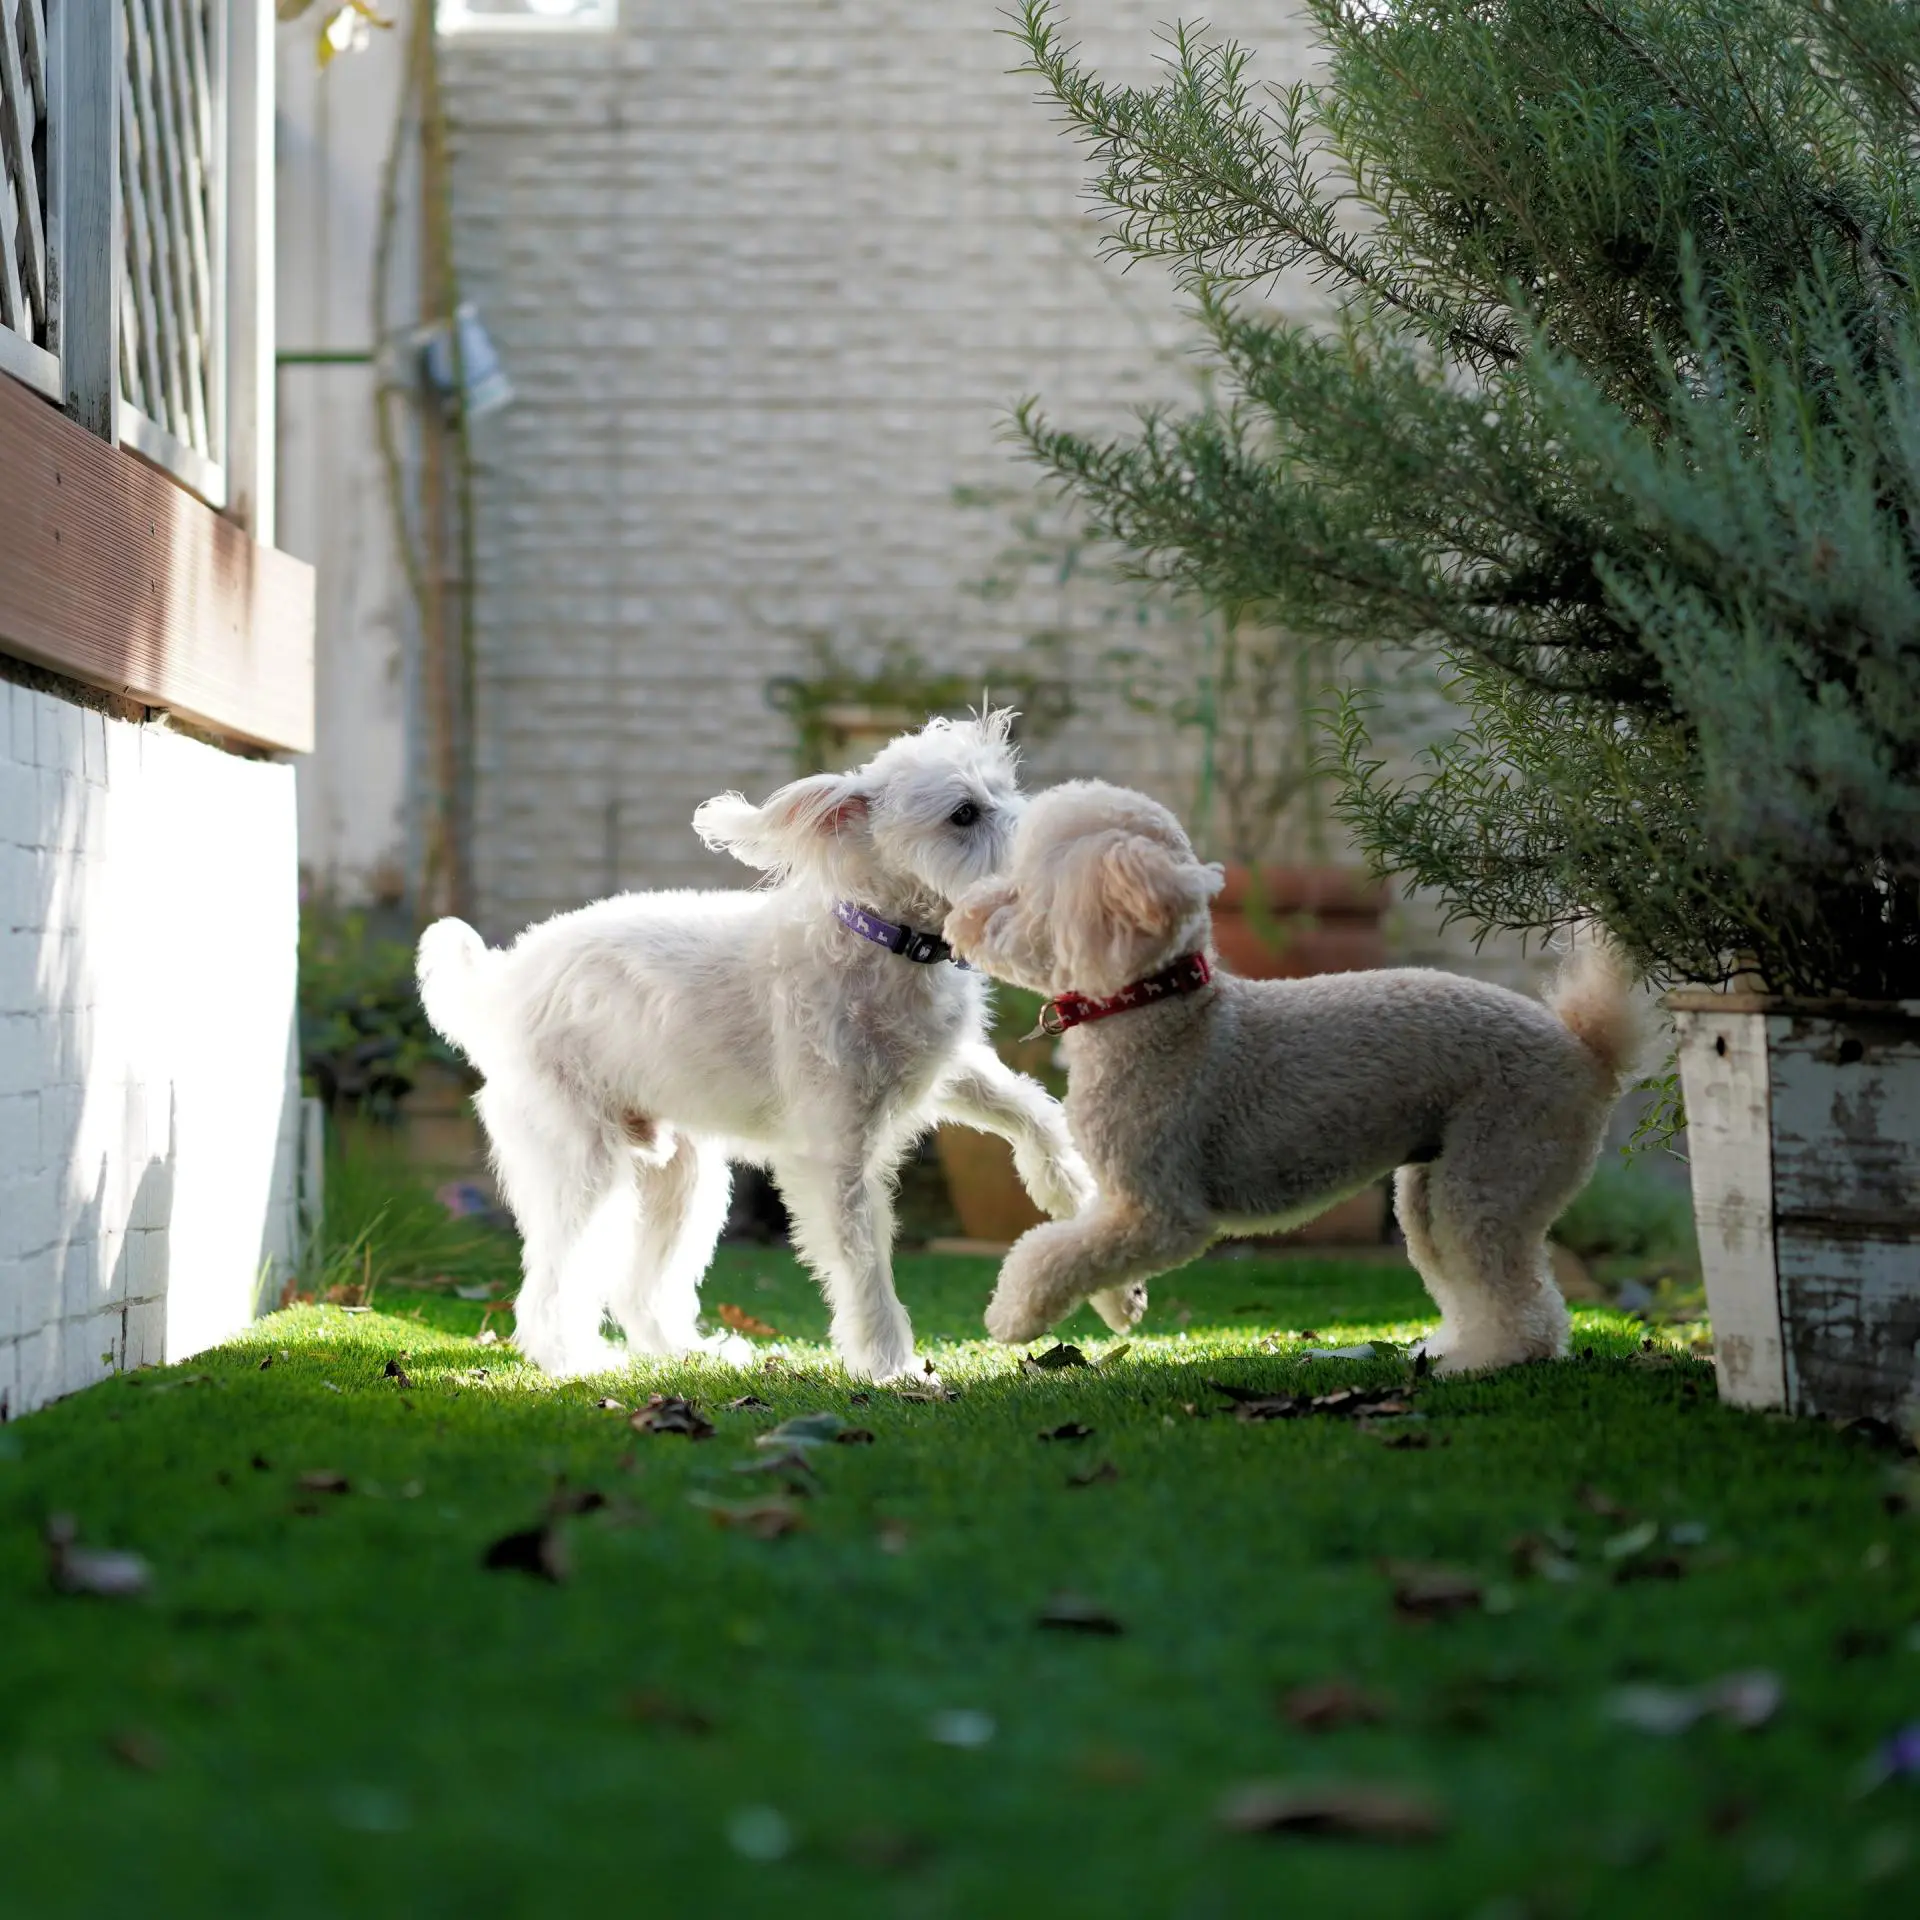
(766, 275)
(332, 132)
(148, 1099)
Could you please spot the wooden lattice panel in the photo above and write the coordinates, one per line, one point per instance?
(24, 278)
(172, 136)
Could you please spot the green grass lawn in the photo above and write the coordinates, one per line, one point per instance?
(325, 1704)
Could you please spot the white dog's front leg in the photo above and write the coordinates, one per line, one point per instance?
(1110, 1249)
(843, 1228)
(984, 1092)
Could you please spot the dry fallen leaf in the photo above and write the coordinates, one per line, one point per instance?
(136, 1748)
(791, 1467)
(1424, 1592)
(1094, 1476)
(891, 1536)
(666, 1413)
(394, 1371)
(1324, 1704)
(1055, 1358)
(541, 1551)
(1745, 1700)
(1352, 1810)
(486, 1337)
(854, 1437)
(94, 1570)
(764, 1519)
(325, 1480)
(610, 1406)
(1067, 1430)
(741, 1321)
(803, 1430)
(747, 1403)
(887, 1849)
(1075, 1613)
(656, 1707)
(1604, 1504)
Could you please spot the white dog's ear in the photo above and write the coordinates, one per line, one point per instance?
(1118, 911)
(797, 826)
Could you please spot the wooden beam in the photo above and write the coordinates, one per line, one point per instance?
(114, 575)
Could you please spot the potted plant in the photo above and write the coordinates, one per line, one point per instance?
(844, 709)
(1608, 414)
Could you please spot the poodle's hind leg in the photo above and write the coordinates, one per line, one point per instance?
(681, 1208)
(1413, 1209)
(1491, 1196)
(557, 1172)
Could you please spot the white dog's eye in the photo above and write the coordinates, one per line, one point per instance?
(964, 815)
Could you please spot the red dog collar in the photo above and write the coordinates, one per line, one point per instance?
(1187, 975)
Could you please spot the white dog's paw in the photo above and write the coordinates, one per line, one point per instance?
(730, 1349)
(1061, 1187)
(581, 1359)
(1121, 1307)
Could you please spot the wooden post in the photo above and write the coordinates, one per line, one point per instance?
(250, 331)
(91, 65)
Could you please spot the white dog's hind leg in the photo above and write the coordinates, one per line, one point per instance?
(559, 1181)
(985, 1092)
(682, 1208)
(843, 1229)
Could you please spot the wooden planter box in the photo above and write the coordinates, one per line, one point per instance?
(1803, 1127)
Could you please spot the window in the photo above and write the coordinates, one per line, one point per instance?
(528, 16)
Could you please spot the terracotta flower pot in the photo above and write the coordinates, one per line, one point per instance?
(1284, 923)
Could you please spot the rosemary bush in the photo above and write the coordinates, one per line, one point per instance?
(1611, 417)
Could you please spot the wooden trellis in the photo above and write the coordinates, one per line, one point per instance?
(120, 296)
(173, 129)
(26, 277)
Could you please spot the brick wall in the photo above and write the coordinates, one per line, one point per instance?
(147, 1105)
(766, 275)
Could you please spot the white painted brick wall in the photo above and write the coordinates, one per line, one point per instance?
(767, 275)
(148, 1103)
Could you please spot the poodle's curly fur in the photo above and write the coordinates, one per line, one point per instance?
(635, 1047)
(1252, 1105)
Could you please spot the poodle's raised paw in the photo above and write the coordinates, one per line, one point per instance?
(1013, 1319)
(1121, 1307)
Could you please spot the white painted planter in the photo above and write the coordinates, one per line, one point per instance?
(1803, 1126)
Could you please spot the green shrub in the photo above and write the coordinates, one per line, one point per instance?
(1611, 413)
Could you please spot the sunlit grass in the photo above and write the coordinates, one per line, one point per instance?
(328, 1705)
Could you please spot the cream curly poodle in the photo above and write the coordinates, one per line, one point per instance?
(1209, 1106)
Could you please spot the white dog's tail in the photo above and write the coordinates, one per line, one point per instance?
(1593, 999)
(452, 967)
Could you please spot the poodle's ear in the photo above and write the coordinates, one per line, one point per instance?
(1123, 906)
(797, 826)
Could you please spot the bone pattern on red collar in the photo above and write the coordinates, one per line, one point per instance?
(1188, 974)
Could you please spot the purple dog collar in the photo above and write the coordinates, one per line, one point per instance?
(924, 949)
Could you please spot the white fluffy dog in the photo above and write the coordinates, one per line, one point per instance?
(632, 1048)
(1208, 1105)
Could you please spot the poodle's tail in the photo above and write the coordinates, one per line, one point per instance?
(1593, 999)
(453, 965)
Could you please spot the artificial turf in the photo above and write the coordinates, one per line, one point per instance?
(325, 1704)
